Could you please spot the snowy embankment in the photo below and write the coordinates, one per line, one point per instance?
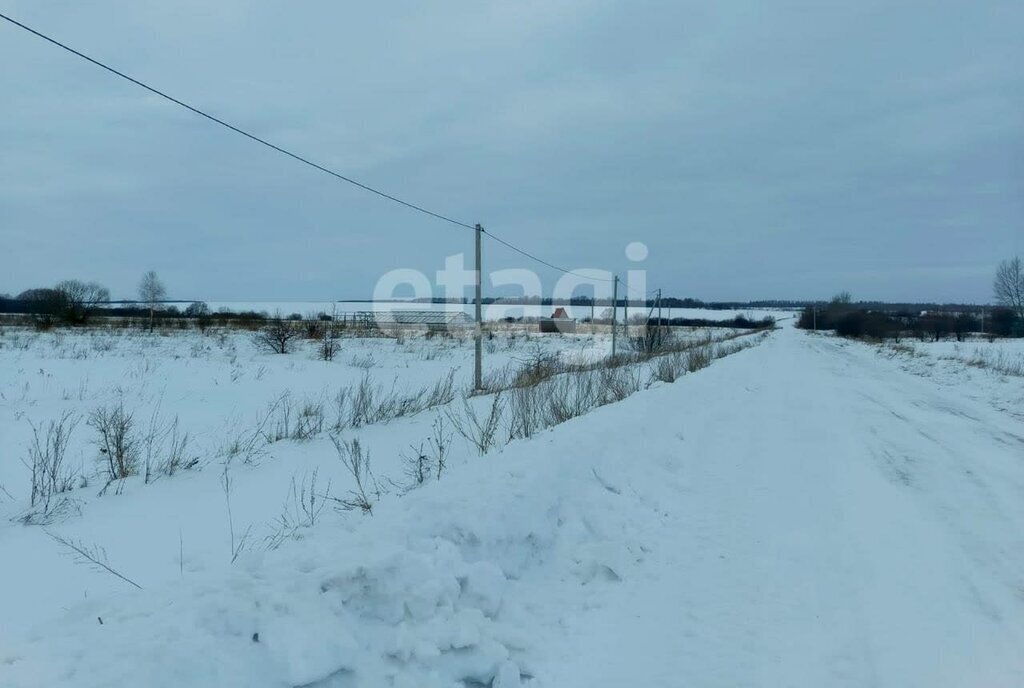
(801, 513)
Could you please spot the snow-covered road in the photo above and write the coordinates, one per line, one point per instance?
(839, 522)
(803, 513)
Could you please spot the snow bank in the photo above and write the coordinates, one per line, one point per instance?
(416, 595)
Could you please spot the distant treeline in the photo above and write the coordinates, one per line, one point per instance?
(75, 303)
(856, 320)
(673, 302)
(739, 322)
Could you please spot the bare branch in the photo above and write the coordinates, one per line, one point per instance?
(94, 555)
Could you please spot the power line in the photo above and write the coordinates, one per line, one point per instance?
(296, 156)
(542, 261)
(565, 270)
(235, 129)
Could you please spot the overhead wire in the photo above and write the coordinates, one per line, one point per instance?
(303, 159)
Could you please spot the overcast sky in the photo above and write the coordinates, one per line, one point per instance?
(759, 149)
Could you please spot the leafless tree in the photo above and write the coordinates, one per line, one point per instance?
(151, 293)
(277, 336)
(1009, 285)
(79, 298)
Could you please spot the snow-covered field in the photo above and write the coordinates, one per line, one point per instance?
(232, 401)
(1001, 355)
(808, 511)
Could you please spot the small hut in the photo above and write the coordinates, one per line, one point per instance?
(559, 322)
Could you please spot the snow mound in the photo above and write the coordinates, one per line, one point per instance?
(416, 616)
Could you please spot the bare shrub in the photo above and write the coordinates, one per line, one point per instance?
(430, 459)
(237, 546)
(361, 408)
(342, 415)
(164, 447)
(525, 416)
(441, 392)
(117, 440)
(364, 362)
(309, 421)
(250, 445)
(479, 431)
(369, 403)
(416, 465)
(1000, 362)
(570, 396)
(278, 425)
(277, 336)
(668, 368)
(357, 463)
(50, 476)
(302, 508)
(567, 396)
(287, 421)
(539, 368)
(697, 358)
(653, 339)
(615, 384)
(152, 441)
(329, 345)
(176, 457)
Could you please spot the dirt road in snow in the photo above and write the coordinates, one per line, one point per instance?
(840, 522)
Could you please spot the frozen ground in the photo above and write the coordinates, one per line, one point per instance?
(807, 512)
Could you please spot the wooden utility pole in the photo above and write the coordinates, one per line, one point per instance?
(625, 315)
(615, 312)
(478, 367)
(659, 316)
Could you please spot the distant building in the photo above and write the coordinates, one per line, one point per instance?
(431, 321)
(559, 322)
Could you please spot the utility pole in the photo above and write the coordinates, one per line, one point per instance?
(478, 369)
(615, 312)
(659, 316)
(625, 315)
